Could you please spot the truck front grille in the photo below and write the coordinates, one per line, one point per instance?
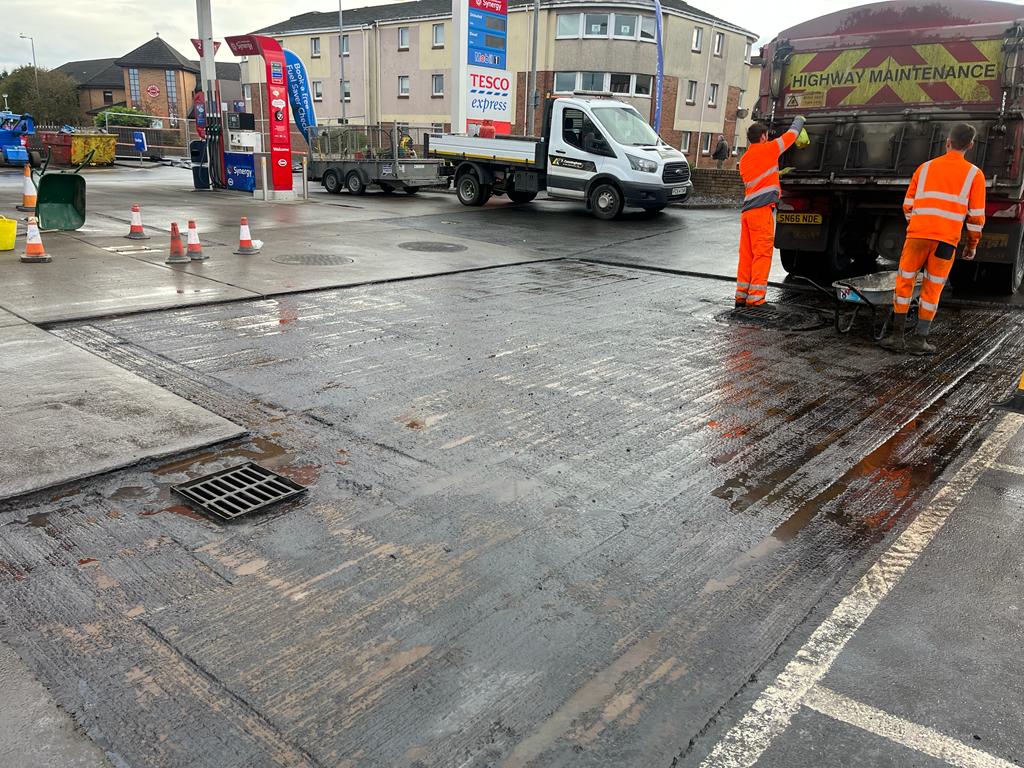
(676, 173)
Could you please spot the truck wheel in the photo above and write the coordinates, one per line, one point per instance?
(332, 183)
(606, 201)
(470, 191)
(354, 183)
(411, 190)
(1013, 274)
(517, 196)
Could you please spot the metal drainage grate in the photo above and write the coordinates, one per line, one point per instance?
(313, 259)
(428, 246)
(773, 317)
(130, 249)
(238, 491)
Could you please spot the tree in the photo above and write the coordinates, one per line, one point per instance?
(54, 102)
(125, 117)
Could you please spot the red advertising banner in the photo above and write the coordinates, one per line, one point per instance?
(277, 103)
(494, 6)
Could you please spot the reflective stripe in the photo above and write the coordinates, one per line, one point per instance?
(763, 176)
(782, 145)
(923, 176)
(934, 278)
(928, 305)
(758, 288)
(908, 201)
(902, 299)
(908, 275)
(938, 212)
(944, 196)
(965, 192)
(752, 195)
(742, 285)
(975, 211)
(975, 227)
(756, 303)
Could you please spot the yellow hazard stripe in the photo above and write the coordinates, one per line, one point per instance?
(481, 157)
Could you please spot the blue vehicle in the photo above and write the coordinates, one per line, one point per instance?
(14, 133)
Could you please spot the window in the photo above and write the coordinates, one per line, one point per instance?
(565, 82)
(621, 83)
(403, 86)
(314, 47)
(344, 45)
(568, 25)
(403, 38)
(596, 25)
(108, 97)
(705, 143)
(684, 144)
(746, 52)
(719, 43)
(171, 81)
(437, 85)
(625, 25)
(643, 85)
(346, 89)
(437, 127)
(698, 39)
(691, 92)
(592, 81)
(133, 84)
(648, 28)
(438, 35)
(247, 91)
(579, 131)
(318, 90)
(713, 95)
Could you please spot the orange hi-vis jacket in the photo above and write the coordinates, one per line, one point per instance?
(759, 168)
(943, 192)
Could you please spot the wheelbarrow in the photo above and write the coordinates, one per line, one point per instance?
(872, 293)
(60, 196)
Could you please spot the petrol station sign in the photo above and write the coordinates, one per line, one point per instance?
(488, 83)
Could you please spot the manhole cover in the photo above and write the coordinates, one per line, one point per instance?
(429, 246)
(313, 259)
(238, 491)
(773, 318)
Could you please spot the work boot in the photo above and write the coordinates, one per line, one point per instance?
(919, 345)
(895, 341)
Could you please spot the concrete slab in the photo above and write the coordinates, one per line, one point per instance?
(8, 318)
(66, 414)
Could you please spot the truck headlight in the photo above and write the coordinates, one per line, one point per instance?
(642, 164)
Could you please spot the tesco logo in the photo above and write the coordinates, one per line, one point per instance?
(490, 81)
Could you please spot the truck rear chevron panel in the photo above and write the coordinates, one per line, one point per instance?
(955, 72)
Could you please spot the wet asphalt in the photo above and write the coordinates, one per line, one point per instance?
(574, 512)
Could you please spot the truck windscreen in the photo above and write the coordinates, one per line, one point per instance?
(626, 126)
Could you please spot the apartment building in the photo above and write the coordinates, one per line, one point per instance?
(397, 62)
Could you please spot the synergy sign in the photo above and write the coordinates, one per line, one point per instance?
(489, 86)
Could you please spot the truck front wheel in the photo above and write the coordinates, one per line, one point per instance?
(606, 201)
(332, 183)
(470, 191)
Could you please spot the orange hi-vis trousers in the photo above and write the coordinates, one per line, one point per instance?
(937, 259)
(757, 243)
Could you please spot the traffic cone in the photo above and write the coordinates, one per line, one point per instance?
(177, 254)
(34, 251)
(246, 247)
(1016, 400)
(28, 192)
(136, 232)
(195, 248)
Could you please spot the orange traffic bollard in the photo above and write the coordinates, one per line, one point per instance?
(195, 248)
(28, 192)
(177, 253)
(34, 251)
(135, 231)
(246, 247)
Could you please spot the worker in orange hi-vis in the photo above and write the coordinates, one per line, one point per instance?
(942, 194)
(759, 168)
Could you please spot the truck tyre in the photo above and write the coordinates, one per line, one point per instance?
(332, 183)
(653, 210)
(354, 183)
(411, 190)
(1013, 274)
(470, 191)
(606, 201)
(790, 259)
(516, 196)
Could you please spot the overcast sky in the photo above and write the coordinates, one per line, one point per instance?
(79, 29)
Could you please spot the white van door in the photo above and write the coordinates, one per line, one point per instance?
(576, 152)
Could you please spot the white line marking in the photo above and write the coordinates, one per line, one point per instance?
(1011, 468)
(917, 737)
(770, 715)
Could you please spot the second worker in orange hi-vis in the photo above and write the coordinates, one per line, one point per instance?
(943, 193)
(759, 168)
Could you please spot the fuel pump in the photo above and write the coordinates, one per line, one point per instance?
(243, 142)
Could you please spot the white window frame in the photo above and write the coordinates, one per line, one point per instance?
(654, 29)
(318, 90)
(615, 24)
(436, 128)
(691, 92)
(697, 43)
(608, 25)
(433, 35)
(408, 86)
(314, 47)
(433, 85)
(575, 82)
(582, 33)
(713, 95)
(404, 32)
(341, 84)
(705, 140)
(604, 81)
(579, 27)
(343, 44)
(747, 51)
(650, 92)
(684, 143)
(718, 45)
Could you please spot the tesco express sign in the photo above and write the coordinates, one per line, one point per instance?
(490, 95)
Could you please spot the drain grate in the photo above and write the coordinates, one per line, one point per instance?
(773, 317)
(429, 246)
(313, 259)
(238, 491)
(130, 248)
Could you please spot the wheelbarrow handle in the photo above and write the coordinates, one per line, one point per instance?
(41, 171)
(863, 298)
(826, 291)
(88, 159)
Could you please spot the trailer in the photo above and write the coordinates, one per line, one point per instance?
(881, 86)
(358, 157)
(593, 150)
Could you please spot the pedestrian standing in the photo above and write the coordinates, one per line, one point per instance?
(721, 153)
(943, 193)
(759, 168)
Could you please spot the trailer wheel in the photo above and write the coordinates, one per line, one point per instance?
(354, 183)
(387, 189)
(606, 201)
(470, 191)
(332, 183)
(519, 196)
(411, 190)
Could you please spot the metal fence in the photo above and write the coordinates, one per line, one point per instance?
(166, 136)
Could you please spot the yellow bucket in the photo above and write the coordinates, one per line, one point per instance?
(7, 229)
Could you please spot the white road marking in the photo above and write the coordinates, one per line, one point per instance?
(771, 713)
(1011, 468)
(920, 738)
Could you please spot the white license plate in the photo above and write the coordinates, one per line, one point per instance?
(678, 191)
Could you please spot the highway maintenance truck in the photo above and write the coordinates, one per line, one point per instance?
(592, 149)
(881, 86)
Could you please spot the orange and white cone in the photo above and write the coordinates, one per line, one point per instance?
(34, 251)
(136, 232)
(177, 254)
(246, 247)
(195, 248)
(28, 192)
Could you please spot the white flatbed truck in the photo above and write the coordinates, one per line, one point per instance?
(593, 149)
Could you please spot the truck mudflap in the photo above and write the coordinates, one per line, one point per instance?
(801, 231)
(1000, 242)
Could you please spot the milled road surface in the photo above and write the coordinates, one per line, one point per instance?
(560, 512)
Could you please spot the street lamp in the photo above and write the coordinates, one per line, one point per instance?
(6, 108)
(35, 69)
